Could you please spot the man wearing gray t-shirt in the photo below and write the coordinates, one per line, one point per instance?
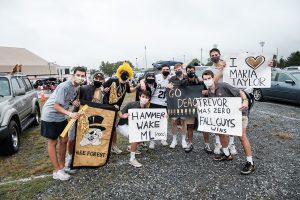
(54, 120)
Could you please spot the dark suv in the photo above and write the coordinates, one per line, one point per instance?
(19, 107)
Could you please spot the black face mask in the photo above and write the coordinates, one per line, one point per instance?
(166, 73)
(97, 84)
(178, 73)
(215, 59)
(124, 76)
(150, 81)
(191, 74)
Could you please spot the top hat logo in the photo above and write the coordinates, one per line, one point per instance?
(96, 122)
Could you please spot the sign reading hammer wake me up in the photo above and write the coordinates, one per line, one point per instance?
(246, 71)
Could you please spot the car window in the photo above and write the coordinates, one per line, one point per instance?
(296, 75)
(28, 84)
(4, 87)
(273, 75)
(15, 84)
(21, 83)
(283, 77)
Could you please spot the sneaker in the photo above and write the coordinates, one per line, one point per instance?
(184, 144)
(218, 148)
(223, 157)
(137, 152)
(68, 160)
(152, 145)
(232, 149)
(189, 148)
(116, 150)
(248, 168)
(69, 170)
(173, 144)
(135, 163)
(164, 143)
(207, 149)
(61, 175)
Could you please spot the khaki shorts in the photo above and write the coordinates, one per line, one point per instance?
(244, 121)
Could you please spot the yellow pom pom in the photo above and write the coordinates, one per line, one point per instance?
(124, 67)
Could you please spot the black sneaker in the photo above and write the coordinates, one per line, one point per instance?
(207, 149)
(223, 157)
(189, 148)
(248, 168)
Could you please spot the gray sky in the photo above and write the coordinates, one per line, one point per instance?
(86, 32)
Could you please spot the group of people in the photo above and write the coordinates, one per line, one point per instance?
(151, 93)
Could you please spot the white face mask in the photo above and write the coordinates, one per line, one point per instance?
(144, 101)
(79, 80)
(209, 82)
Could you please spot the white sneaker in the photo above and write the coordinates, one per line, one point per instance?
(173, 144)
(68, 160)
(218, 148)
(164, 143)
(152, 144)
(135, 163)
(184, 144)
(69, 170)
(137, 152)
(61, 175)
(232, 149)
(116, 150)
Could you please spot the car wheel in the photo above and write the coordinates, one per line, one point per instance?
(258, 96)
(37, 116)
(12, 143)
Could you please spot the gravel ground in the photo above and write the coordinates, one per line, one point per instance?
(173, 174)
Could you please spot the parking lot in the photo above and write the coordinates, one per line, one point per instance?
(172, 173)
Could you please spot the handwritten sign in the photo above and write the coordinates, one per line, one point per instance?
(245, 70)
(220, 115)
(147, 124)
(182, 101)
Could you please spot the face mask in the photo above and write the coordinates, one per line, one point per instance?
(209, 82)
(191, 74)
(124, 76)
(97, 84)
(150, 81)
(178, 73)
(215, 59)
(144, 101)
(79, 80)
(166, 73)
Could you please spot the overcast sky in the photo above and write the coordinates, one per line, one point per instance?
(86, 32)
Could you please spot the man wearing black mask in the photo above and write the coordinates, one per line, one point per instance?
(149, 83)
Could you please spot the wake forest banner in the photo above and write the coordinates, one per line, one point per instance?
(93, 136)
(244, 71)
(182, 101)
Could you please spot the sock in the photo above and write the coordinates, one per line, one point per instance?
(183, 137)
(207, 144)
(231, 140)
(249, 159)
(174, 137)
(226, 151)
(132, 156)
(217, 139)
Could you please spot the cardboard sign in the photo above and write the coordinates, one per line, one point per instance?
(220, 115)
(93, 136)
(147, 124)
(245, 70)
(182, 101)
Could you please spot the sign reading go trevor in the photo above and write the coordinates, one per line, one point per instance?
(220, 115)
(147, 124)
(246, 71)
(93, 136)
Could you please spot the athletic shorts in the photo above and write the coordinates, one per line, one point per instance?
(52, 130)
(71, 132)
(123, 130)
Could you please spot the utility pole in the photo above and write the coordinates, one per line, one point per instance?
(262, 46)
(146, 56)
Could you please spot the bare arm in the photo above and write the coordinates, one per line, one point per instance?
(60, 109)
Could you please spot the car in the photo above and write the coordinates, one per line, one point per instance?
(285, 86)
(19, 108)
(159, 64)
(292, 68)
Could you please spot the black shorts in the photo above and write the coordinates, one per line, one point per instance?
(52, 130)
(152, 105)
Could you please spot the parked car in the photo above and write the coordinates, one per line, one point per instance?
(285, 86)
(159, 64)
(19, 108)
(292, 68)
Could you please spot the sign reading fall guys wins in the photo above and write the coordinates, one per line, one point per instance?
(147, 124)
(220, 115)
(246, 71)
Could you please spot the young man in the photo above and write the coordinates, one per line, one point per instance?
(159, 98)
(123, 124)
(225, 90)
(115, 90)
(54, 120)
(92, 92)
(176, 81)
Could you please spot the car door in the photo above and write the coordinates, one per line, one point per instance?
(30, 93)
(26, 99)
(17, 100)
(287, 91)
(269, 92)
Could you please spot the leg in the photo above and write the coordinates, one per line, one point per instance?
(62, 151)
(174, 129)
(52, 153)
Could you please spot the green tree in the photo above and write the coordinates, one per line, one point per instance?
(281, 63)
(209, 62)
(293, 59)
(111, 68)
